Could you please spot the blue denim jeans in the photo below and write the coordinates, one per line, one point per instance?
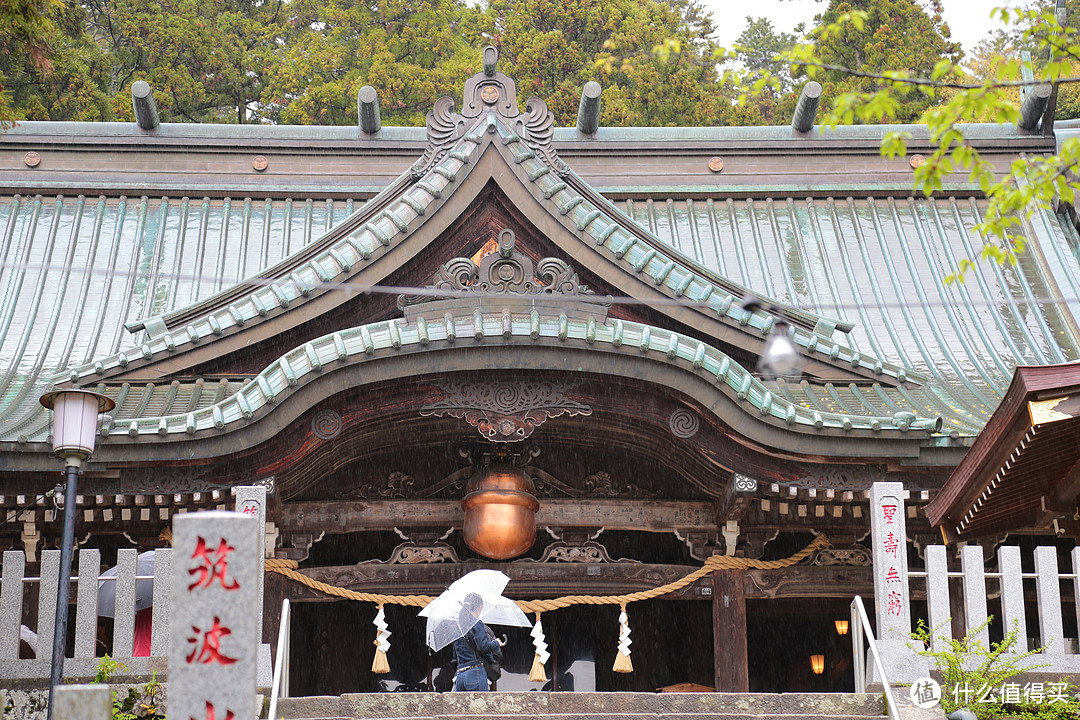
(471, 680)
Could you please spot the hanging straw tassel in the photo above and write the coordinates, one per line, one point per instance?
(622, 657)
(537, 674)
(379, 665)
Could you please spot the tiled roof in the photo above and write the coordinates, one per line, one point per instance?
(879, 263)
(74, 270)
(882, 265)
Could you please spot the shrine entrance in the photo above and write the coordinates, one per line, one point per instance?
(331, 650)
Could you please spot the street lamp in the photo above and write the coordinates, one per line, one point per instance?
(75, 424)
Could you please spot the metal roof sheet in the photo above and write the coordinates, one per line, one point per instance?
(74, 270)
(882, 264)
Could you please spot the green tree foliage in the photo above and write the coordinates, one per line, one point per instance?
(204, 58)
(758, 51)
(554, 47)
(49, 68)
(1031, 183)
(412, 51)
(303, 61)
(994, 53)
(892, 35)
(759, 46)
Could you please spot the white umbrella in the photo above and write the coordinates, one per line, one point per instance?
(447, 616)
(144, 589)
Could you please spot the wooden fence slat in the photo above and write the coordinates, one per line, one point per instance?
(971, 562)
(1048, 589)
(937, 595)
(159, 643)
(86, 603)
(11, 598)
(124, 617)
(50, 583)
(1013, 615)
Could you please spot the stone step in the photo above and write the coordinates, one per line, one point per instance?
(582, 706)
(592, 716)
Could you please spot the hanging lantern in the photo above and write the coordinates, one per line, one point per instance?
(817, 664)
(500, 512)
(841, 626)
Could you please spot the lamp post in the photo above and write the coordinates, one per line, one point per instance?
(75, 423)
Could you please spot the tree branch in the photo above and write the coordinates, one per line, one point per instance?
(926, 82)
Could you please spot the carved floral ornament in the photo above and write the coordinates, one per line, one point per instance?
(505, 411)
(855, 555)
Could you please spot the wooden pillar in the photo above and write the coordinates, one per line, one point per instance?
(729, 631)
(273, 594)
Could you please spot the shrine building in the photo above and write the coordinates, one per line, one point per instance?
(590, 357)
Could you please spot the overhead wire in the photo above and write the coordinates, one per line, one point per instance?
(359, 288)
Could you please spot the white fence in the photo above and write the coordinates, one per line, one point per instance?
(84, 663)
(1054, 655)
(892, 597)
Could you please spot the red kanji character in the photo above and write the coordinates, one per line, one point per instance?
(210, 649)
(210, 715)
(892, 576)
(894, 605)
(213, 565)
(889, 513)
(891, 544)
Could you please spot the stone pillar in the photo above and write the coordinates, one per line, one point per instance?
(729, 631)
(82, 702)
(124, 602)
(971, 560)
(215, 570)
(937, 595)
(1048, 590)
(161, 636)
(11, 598)
(251, 501)
(1013, 613)
(86, 615)
(892, 599)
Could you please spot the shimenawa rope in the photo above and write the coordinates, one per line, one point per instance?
(288, 568)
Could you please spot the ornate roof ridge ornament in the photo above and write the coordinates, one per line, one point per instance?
(489, 93)
(507, 271)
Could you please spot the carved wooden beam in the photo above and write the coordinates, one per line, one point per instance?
(344, 517)
(532, 580)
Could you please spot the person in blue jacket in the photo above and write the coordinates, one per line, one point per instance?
(478, 643)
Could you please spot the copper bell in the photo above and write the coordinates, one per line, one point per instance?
(500, 512)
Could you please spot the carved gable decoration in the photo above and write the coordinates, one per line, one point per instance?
(505, 272)
(489, 92)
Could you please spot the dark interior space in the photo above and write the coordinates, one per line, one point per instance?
(332, 649)
(783, 635)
